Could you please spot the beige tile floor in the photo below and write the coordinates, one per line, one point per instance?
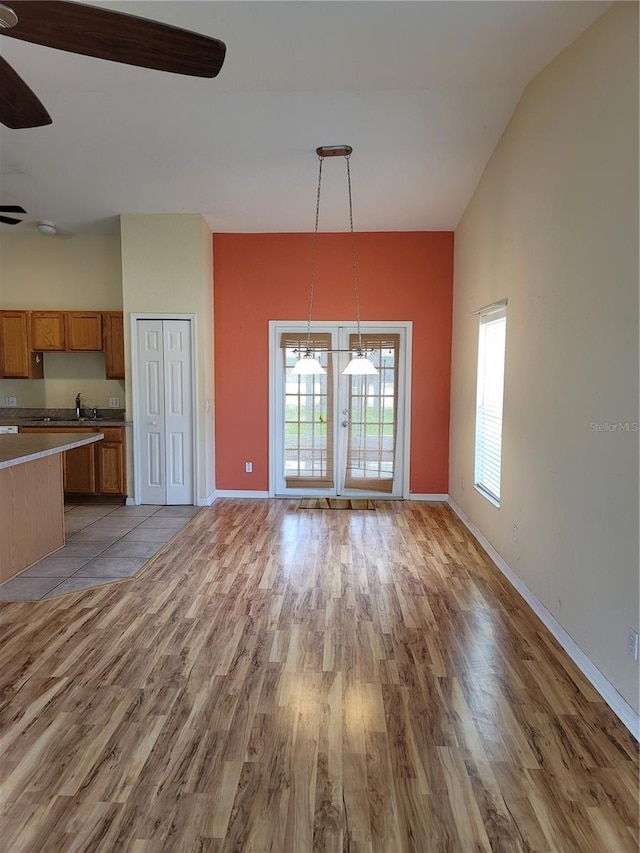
(104, 544)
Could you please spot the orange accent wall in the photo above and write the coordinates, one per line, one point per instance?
(262, 277)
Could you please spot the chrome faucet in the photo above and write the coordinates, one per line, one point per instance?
(78, 405)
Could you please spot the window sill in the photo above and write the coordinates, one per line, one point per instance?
(485, 494)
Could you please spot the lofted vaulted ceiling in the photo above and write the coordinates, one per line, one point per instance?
(421, 90)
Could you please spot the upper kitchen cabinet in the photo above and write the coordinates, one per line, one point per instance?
(83, 330)
(66, 331)
(17, 361)
(48, 331)
(113, 343)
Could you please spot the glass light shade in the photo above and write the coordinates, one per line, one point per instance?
(360, 365)
(306, 366)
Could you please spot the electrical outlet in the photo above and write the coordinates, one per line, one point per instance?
(632, 644)
(114, 402)
(515, 532)
(248, 467)
(10, 401)
(462, 482)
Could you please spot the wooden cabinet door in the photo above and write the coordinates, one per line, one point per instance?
(83, 331)
(113, 343)
(110, 462)
(110, 468)
(80, 470)
(16, 359)
(47, 330)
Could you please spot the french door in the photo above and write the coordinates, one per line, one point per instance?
(336, 435)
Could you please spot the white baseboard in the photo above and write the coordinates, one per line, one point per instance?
(237, 493)
(416, 497)
(614, 700)
(207, 501)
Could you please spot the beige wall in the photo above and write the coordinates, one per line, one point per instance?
(38, 272)
(553, 226)
(167, 269)
(63, 273)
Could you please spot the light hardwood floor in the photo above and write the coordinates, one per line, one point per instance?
(294, 680)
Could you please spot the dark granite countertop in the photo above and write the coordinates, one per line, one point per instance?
(61, 417)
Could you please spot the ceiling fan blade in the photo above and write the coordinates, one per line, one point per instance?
(12, 208)
(116, 36)
(19, 107)
(9, 220)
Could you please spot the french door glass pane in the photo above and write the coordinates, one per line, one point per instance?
(373, 402)
(308, 416)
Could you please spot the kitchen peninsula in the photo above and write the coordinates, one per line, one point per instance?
(31, 496)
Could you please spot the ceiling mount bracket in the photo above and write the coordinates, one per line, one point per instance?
(334, 151)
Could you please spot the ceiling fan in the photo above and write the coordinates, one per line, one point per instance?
(10, 208)
(92, 31)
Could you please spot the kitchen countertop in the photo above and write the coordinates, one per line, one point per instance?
(59, 422)
(17, 449)
(60, 417)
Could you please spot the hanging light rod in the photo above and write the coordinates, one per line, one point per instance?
(307, 362)
(322, 349)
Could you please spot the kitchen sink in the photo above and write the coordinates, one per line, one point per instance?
(64, 420)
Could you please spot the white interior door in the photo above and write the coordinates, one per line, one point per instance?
(165, 416)
(336, 435)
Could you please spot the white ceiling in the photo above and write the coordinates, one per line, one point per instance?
(421, 90)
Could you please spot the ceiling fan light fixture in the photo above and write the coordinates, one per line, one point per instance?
(8, 17)
(47, 228)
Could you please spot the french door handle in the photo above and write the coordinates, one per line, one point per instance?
(345, 423)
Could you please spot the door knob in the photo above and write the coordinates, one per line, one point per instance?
(345, 423)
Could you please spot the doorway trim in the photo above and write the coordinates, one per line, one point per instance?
(407, 325)
(135, 414)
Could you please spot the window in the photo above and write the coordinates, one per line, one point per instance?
(489, 401)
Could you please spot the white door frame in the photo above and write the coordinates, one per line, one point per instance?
(135, 414)
(407, 325)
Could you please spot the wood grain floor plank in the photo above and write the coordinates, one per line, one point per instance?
(281, 680)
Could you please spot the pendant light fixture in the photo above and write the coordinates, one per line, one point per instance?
(307, 363)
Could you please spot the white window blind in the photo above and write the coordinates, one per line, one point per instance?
(489, 401)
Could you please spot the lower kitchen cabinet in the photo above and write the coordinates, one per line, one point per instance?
(96, 469)
(79, 470)
(110, 468)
